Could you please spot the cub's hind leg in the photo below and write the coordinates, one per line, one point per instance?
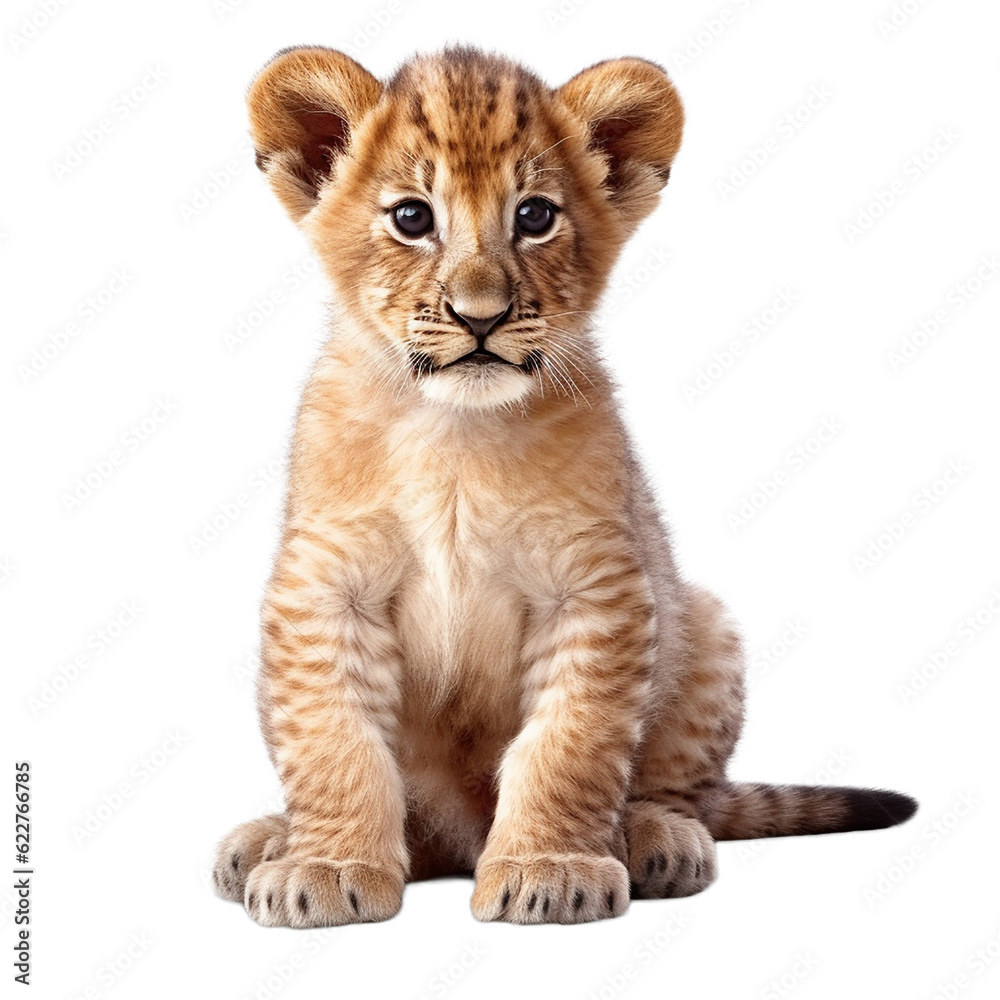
(683, 755)
(263, 839)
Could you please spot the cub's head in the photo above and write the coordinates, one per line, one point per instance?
(466, 213)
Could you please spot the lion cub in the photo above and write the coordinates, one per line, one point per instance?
(478, 656)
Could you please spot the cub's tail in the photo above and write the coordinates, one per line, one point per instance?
(744, 811)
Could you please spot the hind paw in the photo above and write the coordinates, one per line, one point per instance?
(670, 854)
(243, 850)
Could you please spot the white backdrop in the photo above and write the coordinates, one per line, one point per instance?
(805, 334)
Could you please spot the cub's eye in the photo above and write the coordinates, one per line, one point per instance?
(413, 218)
(535, 216)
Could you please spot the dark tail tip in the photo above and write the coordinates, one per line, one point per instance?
(875, 809)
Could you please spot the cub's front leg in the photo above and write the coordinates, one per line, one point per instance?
(329, 694)
(552, 854)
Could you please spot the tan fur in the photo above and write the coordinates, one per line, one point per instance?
(478, 656)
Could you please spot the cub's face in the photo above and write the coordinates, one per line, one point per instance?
(467, 214)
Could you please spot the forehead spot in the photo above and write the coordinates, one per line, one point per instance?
(418, 116)
(501, 147)
(474, 116)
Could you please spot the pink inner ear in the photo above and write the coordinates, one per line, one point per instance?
(609, 132)
(327, 136)
(611, 136)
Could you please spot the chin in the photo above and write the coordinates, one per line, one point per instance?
(469, 387)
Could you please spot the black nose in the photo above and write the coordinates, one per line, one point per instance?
(480, 326)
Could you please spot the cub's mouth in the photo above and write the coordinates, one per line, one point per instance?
(480, 356)
(422, 364)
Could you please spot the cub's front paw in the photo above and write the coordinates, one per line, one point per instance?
(243, 849)
(318, 892)
(550, 888)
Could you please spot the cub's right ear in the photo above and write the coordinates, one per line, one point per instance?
(304, 105)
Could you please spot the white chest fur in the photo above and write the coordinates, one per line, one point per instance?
(459, 608)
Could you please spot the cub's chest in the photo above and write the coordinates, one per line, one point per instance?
(459, 609)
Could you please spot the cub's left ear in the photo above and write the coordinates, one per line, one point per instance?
(304, 107)
(635, 118)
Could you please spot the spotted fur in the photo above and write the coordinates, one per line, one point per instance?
(478, 654)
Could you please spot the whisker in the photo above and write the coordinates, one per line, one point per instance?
(562, 382)
(553, 146)
(569, 312)
(566, 358)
